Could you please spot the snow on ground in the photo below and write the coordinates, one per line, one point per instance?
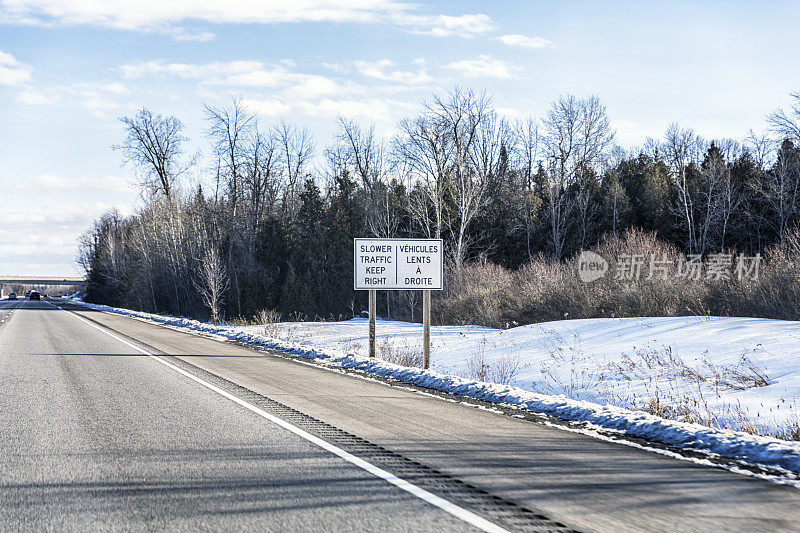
(711, 367)
(724, 372)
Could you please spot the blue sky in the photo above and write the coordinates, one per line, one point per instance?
(69, 68)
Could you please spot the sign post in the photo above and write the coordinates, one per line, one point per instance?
(373, 307)
(399, 264)
(426, 329)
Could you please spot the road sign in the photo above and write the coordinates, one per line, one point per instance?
(398, 264)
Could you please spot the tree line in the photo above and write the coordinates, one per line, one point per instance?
(270, 225)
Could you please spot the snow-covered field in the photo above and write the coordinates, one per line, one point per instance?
(727, 371)
(739, 373)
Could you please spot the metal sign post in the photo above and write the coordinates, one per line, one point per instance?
(399, 264)
(426, 329)
(373, 306)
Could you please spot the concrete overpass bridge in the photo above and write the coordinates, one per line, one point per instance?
(41, 281)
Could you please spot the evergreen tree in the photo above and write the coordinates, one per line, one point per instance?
(345, 221)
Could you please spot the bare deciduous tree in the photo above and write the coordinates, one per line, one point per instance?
(682, 147)
(525, 153)
(577, 134)
(228, 130)
(787, 123)
(296, 150)
(262, 167)
(761, 147)
(466, 116)
(423, 153)
(715, 174)
(783, 187)
(731, 198)
(490, 172)
(154, 145)
(438, 148)
(362, 155)
(213, 282)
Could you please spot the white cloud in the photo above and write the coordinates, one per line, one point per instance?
(31, 96)
(45, 241)
(483, 66)
(141, 69)
(285, 83)
(271, 107)
(182, 34)
(111, 88)
(337, 67)
(242, 73)
(45, 214)
(147, 14)
(448, 26)
(382, 70)
(59, 219)
(276, 90)
(523, 41)
(12, 72)
(99, 98)
(312, 86)
(368, 109)
(165, 16)
(53, 183)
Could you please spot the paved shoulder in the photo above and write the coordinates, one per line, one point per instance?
(584, 482)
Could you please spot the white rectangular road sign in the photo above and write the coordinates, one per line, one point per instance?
(382, 264)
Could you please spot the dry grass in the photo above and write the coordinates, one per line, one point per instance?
(544, 290)
(667, 386)
(502, 370)
(477, 367)
(399, 356)
(583, 375)
(269, 319)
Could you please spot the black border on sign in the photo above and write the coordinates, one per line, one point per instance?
(355, 263)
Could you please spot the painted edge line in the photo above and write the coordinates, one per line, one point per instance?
(445, 505)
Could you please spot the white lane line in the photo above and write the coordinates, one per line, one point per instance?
(449, 507)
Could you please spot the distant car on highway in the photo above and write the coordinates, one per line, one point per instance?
(12, 296)
(34, 295)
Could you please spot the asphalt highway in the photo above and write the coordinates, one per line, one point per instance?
(97, 436)
(111, 423)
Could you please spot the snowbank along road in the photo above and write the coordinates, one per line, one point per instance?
(110, 422)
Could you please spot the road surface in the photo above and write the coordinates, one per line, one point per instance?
(113, 423)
